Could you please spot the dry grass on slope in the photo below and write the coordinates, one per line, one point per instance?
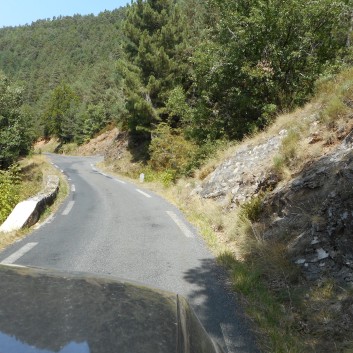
(296, 314)
(292, 313)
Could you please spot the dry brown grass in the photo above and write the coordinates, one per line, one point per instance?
(46, 146)
(35, 169)
(292, 314)
(123, 165)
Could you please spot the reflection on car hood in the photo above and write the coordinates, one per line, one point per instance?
(47, 312)
(11, 344)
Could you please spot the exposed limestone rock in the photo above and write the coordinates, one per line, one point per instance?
(244, 174)
(316, 211)
(313, 213)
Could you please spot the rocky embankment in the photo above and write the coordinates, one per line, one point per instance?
(104, 144)
(245, 174)
(316, 210)
(313, 211)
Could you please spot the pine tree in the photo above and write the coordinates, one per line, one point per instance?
(155, 62)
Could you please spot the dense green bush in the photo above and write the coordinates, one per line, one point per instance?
(170, 151)
(16, 135)
(260, 57)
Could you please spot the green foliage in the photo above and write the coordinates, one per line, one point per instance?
(167, 177)
(169, 151)
(79, 52)
(261, 56)
(178, 109)
(155, 51)
(140, 113)
(68, 49)
(252, 208)
(16, 135)
(74, 118)
(208, 70)
(9, 191)
(95, 119)
(58, 117)
(104, 101)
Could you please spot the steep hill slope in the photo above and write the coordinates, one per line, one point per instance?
(67, 68)
(65, 48)
(286, 201)
(278, 212)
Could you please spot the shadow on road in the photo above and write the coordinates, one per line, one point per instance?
(218, 308)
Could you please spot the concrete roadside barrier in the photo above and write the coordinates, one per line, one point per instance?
(27, 212)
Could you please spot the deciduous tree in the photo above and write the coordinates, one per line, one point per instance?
(16, 135)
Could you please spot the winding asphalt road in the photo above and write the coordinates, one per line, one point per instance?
(110, 226)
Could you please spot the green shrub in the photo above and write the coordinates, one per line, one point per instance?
(202, 153)
(9, 191)
(167, 177)
(252, 208)
(170, 151)
(16, 133)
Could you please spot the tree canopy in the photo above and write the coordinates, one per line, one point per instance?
(15, 125)
(195, 70)
(76, 54)
(155, 62)
(262, 57)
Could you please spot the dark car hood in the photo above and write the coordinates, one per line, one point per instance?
(44, 312)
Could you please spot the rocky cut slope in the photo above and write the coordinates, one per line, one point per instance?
(314, 209)
(297, 180)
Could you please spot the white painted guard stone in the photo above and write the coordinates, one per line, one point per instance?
(27, 212)
(19, 216)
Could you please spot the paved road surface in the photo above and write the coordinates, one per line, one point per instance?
(108, 226)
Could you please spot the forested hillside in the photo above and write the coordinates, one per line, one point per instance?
(66, 66)
(177, 75)
(170, 82)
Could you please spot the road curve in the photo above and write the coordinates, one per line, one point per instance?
(109, 226)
